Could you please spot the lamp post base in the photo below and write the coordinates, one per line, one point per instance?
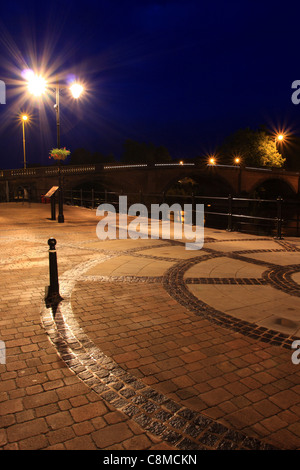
(60, 218)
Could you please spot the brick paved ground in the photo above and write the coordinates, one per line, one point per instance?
(153, 347)
(43, 405)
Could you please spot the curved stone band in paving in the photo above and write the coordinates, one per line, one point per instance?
(280, 278)
(177, 287)
(178, 425)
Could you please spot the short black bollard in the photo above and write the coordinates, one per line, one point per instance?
(52, 293)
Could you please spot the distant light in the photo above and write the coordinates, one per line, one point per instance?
(212, 161)
(237, 160)
(36, 84)
(76, 90)
(181, 162)
(24, 117)
(280, 137)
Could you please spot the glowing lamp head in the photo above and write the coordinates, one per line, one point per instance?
(212, 161)
(237, 160)
(24, 117)
(36, 85)
(280, 137)
(76, 90)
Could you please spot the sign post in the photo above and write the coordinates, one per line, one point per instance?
(51, 195)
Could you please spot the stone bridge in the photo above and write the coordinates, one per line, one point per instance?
(148, 178)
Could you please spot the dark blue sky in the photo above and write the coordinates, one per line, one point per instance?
(179, 73)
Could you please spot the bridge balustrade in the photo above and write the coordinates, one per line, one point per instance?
(227, 212)
(99, 167)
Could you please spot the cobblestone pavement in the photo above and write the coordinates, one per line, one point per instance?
(153, 346)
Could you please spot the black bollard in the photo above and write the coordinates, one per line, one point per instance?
(53, 290)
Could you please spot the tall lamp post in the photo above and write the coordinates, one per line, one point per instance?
(76, 90)
(37, 86)
(60, 217)
(24, 119)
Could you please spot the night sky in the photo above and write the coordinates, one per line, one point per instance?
(178, 73)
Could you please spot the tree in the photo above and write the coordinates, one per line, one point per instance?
(81, 156)
(162, 155)
(254, 147)
(136, 152)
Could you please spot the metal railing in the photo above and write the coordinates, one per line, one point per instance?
(264, 216)
(275, 217)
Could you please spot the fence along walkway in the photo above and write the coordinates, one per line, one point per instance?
(225, 207)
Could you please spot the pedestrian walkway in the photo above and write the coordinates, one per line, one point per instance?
(153, 347)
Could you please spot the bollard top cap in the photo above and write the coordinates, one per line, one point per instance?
(52, 243)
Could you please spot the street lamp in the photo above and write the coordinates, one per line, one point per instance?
(76, 90)
(24, 118)
(279, 138)
(37, 86)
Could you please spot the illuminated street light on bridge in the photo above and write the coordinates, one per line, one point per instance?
(212, 161)
(280, 137)
(237, 160)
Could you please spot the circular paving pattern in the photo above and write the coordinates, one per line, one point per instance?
(277, 277)
(281, 278)
(178, 425)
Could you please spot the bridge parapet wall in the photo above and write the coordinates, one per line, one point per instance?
(149, 178)
(252, 178)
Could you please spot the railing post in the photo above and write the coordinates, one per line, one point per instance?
(279, 218)
(93, 198)
(229, 224)
(80, 197)
(193, 210)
